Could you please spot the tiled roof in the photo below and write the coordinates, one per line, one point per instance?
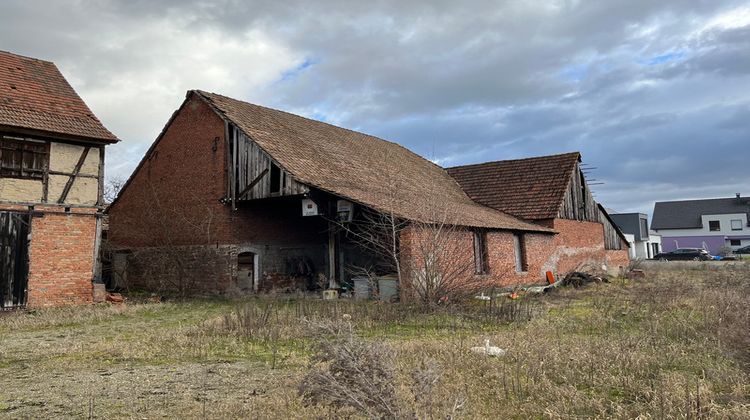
(34, 95)
(374, 172)
(532, 189)
(687, 214)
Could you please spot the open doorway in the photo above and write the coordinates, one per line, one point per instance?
(247, 271)
(14, 266)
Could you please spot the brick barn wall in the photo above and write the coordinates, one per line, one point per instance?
(61, 257)
(196, 269)
(173, 201)
(580, 246)
(500, 257)
(173, 198)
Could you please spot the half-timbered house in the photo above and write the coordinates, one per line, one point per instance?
(51, 177)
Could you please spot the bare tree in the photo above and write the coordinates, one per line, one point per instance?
(112, 187)
(167, 263)
(441, 262)
(437, 262)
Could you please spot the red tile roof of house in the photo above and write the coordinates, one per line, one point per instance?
(532, 189)
(35, 96)
(366, 169)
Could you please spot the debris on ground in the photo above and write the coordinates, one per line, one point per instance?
(115, 298)
(578, 279)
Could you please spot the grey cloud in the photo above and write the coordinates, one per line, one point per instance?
(641, 87)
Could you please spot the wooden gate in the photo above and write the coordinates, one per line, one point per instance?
(14, 265)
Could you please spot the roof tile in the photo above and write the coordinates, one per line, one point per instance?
(34, 95)
(363, 168)
(531, 189)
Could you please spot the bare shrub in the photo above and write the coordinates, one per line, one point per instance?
(349, 372)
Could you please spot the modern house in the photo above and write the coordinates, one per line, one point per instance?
(235, 197)
(714, 224)
(645, 243)
(51, 177)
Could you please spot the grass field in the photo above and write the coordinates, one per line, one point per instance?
(673, 345)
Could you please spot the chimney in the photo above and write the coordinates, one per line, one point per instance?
(739, 200)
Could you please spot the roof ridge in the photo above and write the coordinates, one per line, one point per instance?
(203, 93)
(514, 160)
(699, 199)
(251, 119)
(27, 57)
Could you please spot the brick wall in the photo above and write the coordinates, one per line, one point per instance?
(456, 247)
(173, 198)
(172, 201)
(61, 256)
(578, 246)
(201, 269)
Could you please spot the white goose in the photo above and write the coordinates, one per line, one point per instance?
(488, 350)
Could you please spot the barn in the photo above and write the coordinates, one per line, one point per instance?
(238, 198)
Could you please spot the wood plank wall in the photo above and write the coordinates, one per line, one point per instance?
(253, 162)
(578, 203)
(612, 239)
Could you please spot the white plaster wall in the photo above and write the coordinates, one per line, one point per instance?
(63, 158)
(631, 241)
(726, 228)
(21, 190)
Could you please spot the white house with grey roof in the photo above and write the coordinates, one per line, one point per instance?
(712, 224)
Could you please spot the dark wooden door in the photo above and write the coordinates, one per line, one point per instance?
(14, 266)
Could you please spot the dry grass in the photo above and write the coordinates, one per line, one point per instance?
(675, 345)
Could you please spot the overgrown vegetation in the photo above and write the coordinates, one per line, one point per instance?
(673, 345)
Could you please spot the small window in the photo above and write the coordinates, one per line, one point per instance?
(22, 158)
(736, 224)
(480, 252)
(275, 179)
(520, 251)
(735, 242)
(714, 225)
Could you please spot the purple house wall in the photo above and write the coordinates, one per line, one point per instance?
(712, 244)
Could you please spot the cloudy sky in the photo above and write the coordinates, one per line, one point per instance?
(655, 94)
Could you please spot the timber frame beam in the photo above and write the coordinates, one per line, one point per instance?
(76, 172)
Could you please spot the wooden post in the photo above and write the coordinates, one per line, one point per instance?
(234, 168)
(331, 256)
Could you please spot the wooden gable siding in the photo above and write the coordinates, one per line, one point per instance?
(612, 238)
(254, 169)
(578, 203)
